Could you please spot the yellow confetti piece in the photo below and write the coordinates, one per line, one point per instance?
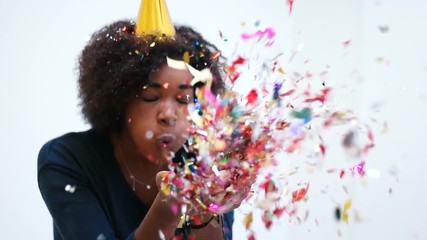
(186, 57)
(247, 221)
(187, 169)
(200, 203)
(165, 189)
(347, 206)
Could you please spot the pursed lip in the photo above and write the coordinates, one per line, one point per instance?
(166, 140)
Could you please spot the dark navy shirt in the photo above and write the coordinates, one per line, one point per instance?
(86, 193)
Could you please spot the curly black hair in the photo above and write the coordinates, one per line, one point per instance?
(116, 64)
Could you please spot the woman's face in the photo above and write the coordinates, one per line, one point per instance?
(157, 122)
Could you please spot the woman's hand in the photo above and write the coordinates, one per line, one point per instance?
(233, 192)
(227, 191)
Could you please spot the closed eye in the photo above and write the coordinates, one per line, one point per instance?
(149, 99)
(184, 98)
(148, 96)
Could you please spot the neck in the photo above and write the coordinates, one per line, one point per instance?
(134, 165)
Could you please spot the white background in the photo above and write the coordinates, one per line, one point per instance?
(40, 42)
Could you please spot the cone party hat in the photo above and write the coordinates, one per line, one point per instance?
(153, 18)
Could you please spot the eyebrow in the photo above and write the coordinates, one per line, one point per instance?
(185, 86)
(158, 85)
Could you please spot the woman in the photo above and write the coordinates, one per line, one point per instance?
(103, 183)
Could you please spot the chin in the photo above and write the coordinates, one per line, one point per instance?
(163, 156)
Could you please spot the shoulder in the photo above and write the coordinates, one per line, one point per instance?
(68, 148)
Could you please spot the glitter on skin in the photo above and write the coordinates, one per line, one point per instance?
(149, 134)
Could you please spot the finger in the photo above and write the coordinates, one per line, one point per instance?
(163, 177)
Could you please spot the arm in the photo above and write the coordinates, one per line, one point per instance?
(209, 226)
(213, 230)
(159, 217)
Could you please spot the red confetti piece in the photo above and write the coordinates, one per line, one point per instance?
(232, 73)
(294, 145)
(299, 194)
(281, 124)
(290, 4)
(321, 98)
(233, 76)
(370, 135)
(279, 211)
(342, 172)
(290, 92)
(215, 55)
(238, 61)
(322, 149)
(251, 237)
(268, 186)
(267, 220)
(252, 97)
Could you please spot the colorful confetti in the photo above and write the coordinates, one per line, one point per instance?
(240, 139)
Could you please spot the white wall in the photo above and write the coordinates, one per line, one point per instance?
(40, 41)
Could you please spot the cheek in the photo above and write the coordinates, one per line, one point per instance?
(184, 129)
(183, 126)
(140, 128)
(140, 131)
(143, 138)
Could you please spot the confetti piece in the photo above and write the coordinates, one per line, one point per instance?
(346, 207)
(162, 235)
(268, 32)
(247, 220)
(251, 97)
(346, 43)
(101, 237)
(358, 169)
(186, 57)
(321, 98)
(290, 4)
(303, 114)
(338, 214)
(299, 194)
(221, 35)
(215, 55)
(69, 188)
(383, 28)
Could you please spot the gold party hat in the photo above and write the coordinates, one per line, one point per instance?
(153, 18)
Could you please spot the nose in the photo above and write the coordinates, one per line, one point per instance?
(167, 114)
